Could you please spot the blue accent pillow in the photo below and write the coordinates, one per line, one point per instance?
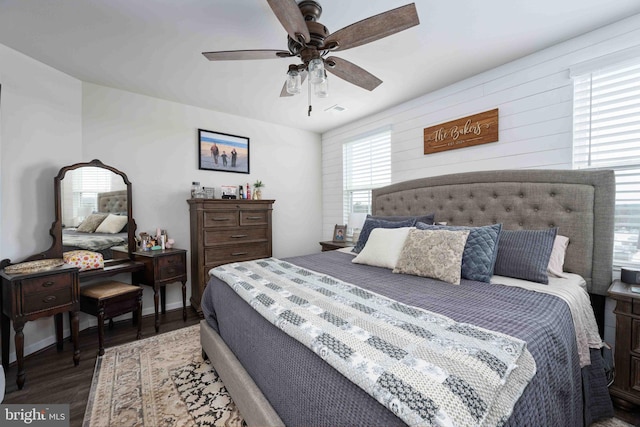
(371, 223)
(524, 254)
(479, 256)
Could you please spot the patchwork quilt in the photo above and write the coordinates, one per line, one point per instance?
(425, 367)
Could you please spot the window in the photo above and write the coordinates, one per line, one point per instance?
(366, 165)
(606, 134)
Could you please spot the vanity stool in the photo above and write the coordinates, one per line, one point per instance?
(110, 299)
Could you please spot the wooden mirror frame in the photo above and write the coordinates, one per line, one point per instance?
(55, 251)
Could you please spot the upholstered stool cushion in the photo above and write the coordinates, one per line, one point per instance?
(108, 289)
(109, 299)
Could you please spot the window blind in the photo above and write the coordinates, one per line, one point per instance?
(606, 135)
(366, 165)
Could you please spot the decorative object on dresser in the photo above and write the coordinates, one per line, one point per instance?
(330, 245)
(625, 390)
(339, 233)
(219, 151)
(225, 231)
(33, 295)
(161, 268)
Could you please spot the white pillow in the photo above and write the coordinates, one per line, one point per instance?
(556, 261)
(112, 224)
(383, 247)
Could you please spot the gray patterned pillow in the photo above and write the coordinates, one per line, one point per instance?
(480, 252)
(433, 253)
(524, 254)
(91, 222)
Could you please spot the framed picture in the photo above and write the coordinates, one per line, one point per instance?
(222, 152)
(339, 233)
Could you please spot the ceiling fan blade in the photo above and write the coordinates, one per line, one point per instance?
(233, 55)
(373, 28)
(352, 73)
(291, 18)
(284, 93)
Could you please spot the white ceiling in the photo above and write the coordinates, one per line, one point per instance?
(153, 47)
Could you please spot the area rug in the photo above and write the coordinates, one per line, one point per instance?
(163, 381)
(133, 385)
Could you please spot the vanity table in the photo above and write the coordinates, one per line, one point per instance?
(161, 267)
(79, 189)
(30, 296)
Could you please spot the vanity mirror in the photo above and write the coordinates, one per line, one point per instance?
(92, 210)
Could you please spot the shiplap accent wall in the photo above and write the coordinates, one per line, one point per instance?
(534, 95)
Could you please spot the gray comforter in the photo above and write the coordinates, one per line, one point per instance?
(305, 390)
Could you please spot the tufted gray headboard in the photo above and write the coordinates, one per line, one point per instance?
(579, 203)
(112, 201)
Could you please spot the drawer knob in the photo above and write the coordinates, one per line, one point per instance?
(239, 253)
(47, 284)
(170, 261)
(254, 217)
(238, 236)
(221, 219)
(50, 298)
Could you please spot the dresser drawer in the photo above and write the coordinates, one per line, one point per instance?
(46, 283)
(634, 377)
(635, 335)
(220, 218)
(45, 300)
(233, 253)
(214, 237)
(170, 267)
(257, 217)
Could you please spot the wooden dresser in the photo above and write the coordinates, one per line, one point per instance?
(224, 231)
(625, 391)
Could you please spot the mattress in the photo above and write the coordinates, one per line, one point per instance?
(304, 390)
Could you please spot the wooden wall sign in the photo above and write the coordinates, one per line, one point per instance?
(465, 132)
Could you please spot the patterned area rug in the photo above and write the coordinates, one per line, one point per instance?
(133, 385)
(162, 381)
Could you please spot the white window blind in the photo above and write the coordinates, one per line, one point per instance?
(366, 165)
(87, 183)
(606, 134)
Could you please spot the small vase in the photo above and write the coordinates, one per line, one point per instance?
(257, 194)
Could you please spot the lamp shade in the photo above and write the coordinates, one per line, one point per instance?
(356, 220)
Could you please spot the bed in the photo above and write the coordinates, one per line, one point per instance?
(277, 380)
(111, 202)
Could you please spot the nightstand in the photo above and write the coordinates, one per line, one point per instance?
(161, 267)
(330, 245)
(31, 296)
(625, 391)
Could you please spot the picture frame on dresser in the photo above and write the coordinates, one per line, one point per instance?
(222, 152)
(339, 233)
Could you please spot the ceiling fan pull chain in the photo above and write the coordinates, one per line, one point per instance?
(309, 97)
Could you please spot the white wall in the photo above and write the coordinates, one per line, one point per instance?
(534, 95)
(41, 131)
(50, 120)
(155, 143)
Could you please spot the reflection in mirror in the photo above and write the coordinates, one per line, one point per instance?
(88, 195)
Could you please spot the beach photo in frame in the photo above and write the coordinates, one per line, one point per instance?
(222, 152)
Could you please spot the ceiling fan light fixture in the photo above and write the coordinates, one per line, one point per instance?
(294, 82)
(321, 89)
(316, 71)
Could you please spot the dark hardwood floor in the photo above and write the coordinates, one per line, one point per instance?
(52, 378)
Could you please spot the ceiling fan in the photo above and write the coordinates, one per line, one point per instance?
(311, 41)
